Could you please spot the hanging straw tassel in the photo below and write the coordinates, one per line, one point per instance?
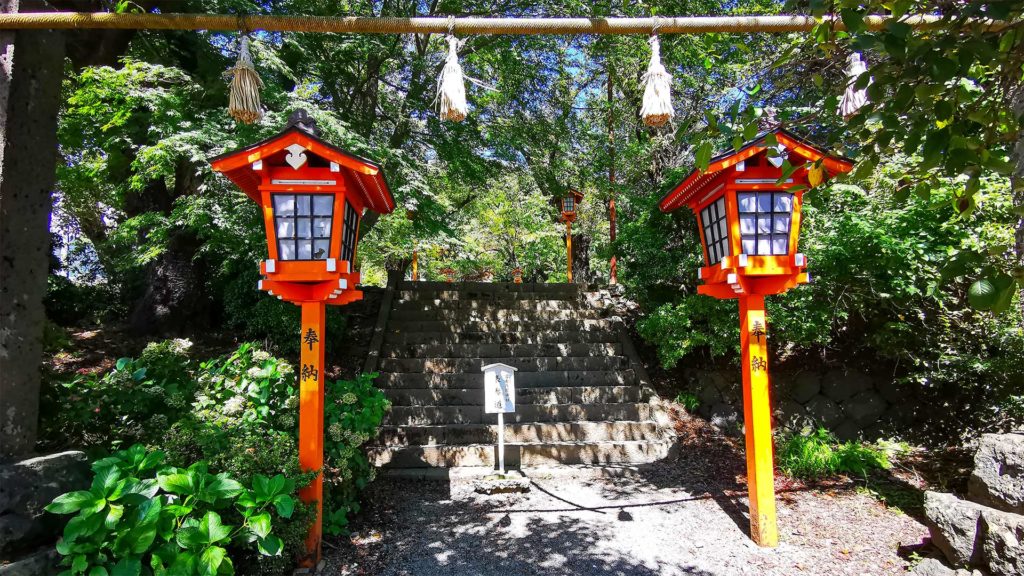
(451, 86)
(853, 99)
(244, 102)
(657, 106)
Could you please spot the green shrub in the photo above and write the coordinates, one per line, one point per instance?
(353, 413)
(141, 516)
(689, 401)
(135, 402)
(817, 454)
(248, 386)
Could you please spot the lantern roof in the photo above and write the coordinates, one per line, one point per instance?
(362, 175)
(698, 182)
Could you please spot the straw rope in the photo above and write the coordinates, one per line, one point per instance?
(468, 25)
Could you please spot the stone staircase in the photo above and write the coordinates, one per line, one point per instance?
(581, 396)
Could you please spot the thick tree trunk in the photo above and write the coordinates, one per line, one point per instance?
(175, 300)
(31, 70)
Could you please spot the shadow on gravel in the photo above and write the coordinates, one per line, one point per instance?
(425, 533)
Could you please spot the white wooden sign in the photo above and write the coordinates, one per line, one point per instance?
(499, 388)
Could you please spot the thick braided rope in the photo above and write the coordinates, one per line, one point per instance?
(469, 25)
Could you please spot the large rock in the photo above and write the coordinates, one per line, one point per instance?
(824, 412)
(805, 386)
(1003, 542)
(865, 408)
(791, 415)
(998, 477)
(26, 487)
(932, 567)
(842, 384)
(41, 563)
(955, 527)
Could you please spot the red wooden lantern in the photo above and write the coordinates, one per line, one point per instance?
(313, 196)
(568, 205)
(449, 274)
(517, 275)
(748, 211)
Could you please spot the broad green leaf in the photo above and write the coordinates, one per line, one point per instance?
(270, 546)
(114, 513)
(210, 560)
(82, 526)
(703, 155)
(105, 481)
(79, 563)
(127, 567)
(122, 362)
(181, 483)
(98, 571)
(221, 487)
(285, 505)
(260, 524)
(71, 502)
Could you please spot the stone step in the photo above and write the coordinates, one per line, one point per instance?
(540, 395)
(521, 454)
(491, 326)
(471, 365)
(567, 297)
(434, 415)
(531, 305)
(547, 432)
(390, 350)
(551, 379)
(532, 337)
(494, 315)
(471, 286)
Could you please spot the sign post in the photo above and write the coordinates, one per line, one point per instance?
(499, 398)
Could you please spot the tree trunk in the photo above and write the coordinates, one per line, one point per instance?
(175, 300)
(31, 71)
(1017, 189)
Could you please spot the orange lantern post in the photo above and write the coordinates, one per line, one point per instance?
(312, 195)
(567, 205)
(747, 205)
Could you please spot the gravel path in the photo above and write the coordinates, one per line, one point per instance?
(685, 515)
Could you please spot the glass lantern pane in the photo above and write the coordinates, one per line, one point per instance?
(305, 249)
(321, 227)
(764, 224)
(723, 247)
(720, 207)
(284, 205)
(321, 249)
(781, 223)
(706, 216)
(780, 244)
(783, 202)
(286, 250)
(323, 205)
(749, 245)
(764, 202)
(747, 223)
(747, 201)
(302, 228)
(302, 202)
(763, 247)
(722, 233)
(285, 228)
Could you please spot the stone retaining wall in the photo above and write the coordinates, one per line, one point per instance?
(847, 401)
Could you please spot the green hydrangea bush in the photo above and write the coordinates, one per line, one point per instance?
(142, 516)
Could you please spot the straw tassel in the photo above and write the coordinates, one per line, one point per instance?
(657, 105)
(853, 99)
(244, 102)
(451, 86)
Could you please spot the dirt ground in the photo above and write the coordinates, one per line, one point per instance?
(683, 515)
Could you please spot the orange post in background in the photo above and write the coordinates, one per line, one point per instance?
(568, 246)
(415, 265)
(757, 420)
(311, 418)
